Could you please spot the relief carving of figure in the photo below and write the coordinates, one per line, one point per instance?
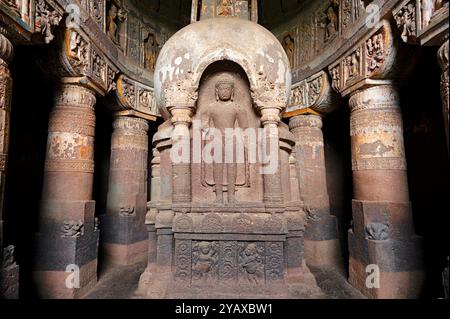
(375, 51)
(150, 51)
(73, 228)
(332, 25)
(224, 114)
(115, 17)
(289, 47)
(204, 260)
(8, 257)
(225, 8)
(251, 263)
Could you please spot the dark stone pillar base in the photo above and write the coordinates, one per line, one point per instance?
(322, 246)
(53, 284)
(67, 240)
(383, 237)
(9, 282)
(124, 236)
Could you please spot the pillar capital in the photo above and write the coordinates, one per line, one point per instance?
(305, 121)
(6, 49)
(130, 124)
(374, 97)
(181, 115)
(270, 116)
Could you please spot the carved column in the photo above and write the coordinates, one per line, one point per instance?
(321, 236)
(382, 235)
(9, 275)
(273, 193)
(160, 205)
(181, 183)
(152, 212)
(444, 62)
(68, 233)
(124, 234)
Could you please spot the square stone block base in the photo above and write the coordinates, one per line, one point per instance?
(58, 284)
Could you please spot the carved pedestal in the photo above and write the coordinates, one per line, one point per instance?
(9, 274)
(322, 246)
(124, 234)
(382, 237)
(67, 242)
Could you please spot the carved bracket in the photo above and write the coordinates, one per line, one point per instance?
(314, 93)
(371, 59)
(135, 96)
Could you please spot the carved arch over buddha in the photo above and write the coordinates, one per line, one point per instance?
(186, 56)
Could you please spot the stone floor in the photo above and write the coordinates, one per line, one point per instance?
(121, 282)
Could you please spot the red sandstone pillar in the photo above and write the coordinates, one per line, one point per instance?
(321, 241)
(124, 237)
(382, 236)
(68, 235)
(9, 271)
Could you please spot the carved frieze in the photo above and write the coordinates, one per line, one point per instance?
(133, 95)
(406, 19)
(312, 93)
(372, 58)
(73, 228)
(46, 19)
(228, 262)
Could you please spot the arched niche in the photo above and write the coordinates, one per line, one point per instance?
(185, 57)
(238, 113)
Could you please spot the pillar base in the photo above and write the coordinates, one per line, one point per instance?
(125, 254)
(53, 284)
(383, 236)
(399, 263)
(321, 243)
(9, 283)
(125, 238)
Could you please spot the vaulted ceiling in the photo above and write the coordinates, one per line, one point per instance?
(271, 12)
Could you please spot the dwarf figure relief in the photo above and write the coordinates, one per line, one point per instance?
(251, 263)
(204, 260)
(220, 117)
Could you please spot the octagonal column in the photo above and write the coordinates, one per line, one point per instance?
(321, 241)
(124, 240)
(68, 232)
(382, 239)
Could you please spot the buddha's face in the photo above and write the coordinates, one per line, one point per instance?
(224, 91)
